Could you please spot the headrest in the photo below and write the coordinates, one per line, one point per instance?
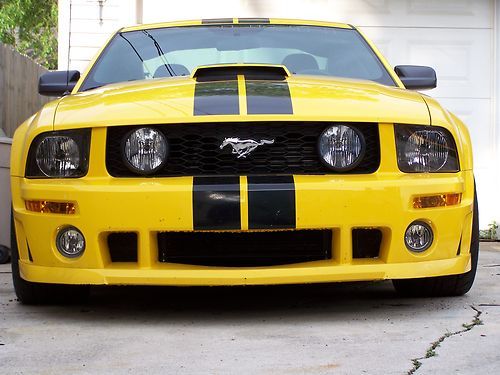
(298, 62)
(175, 69)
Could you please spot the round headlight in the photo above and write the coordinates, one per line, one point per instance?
(70, 242)
(58, 156)
(145, 150)
(341, 147)
(426, 151)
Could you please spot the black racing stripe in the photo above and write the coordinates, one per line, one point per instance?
(263, 73)
(271, 202)
(254, 20)
(268, 96)
(216, 94)
(216, 203)
(211, 21)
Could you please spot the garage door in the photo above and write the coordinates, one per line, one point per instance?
(453, 36)
(456, 38)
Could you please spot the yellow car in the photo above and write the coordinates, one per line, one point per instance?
(241, 152)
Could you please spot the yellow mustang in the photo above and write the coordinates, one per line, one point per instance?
(241, 152)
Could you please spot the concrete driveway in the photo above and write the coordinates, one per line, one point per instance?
(357, 328)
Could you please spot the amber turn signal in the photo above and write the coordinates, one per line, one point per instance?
(440, 200)
(48, 207)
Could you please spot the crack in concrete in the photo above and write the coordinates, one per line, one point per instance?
(431, 351)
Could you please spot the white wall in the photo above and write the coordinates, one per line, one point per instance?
(92, 23)
(457, 37)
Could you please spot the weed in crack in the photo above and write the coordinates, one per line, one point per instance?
(431, 351)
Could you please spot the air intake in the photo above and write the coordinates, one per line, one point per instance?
(123, 247)
(250, 71)
(366, 243)
(244, 249)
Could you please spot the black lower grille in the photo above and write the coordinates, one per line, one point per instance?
(244, 249)
(366, 243)
(194, 149)
(122, 247)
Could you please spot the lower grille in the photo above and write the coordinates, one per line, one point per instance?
(122, 247)
(366, 243)
(244, 249)
(194, 149)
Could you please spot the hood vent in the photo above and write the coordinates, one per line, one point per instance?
(250, 71)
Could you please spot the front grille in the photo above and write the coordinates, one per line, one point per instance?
(195, 149)
(244, 249)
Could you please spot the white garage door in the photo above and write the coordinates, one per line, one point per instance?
(453, 36)
(456, 38)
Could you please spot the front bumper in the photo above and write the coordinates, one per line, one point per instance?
(149, 206)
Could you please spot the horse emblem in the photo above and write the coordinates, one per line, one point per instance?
(243, 147)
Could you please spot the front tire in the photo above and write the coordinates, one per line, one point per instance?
(453, 285)
(30, 293)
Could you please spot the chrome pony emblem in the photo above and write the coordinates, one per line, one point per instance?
(243, 147)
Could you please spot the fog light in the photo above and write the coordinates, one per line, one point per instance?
(70, 242)
(418, 236)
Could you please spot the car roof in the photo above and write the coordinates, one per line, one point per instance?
(236, 21)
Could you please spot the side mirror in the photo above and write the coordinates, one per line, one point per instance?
(58, 83)
(416, 77)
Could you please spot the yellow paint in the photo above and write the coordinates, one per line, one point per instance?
(277, 21)
(310, 273)
(286, 21)
(244, 202)
(242, 94)
(147, 206)
(170, 100)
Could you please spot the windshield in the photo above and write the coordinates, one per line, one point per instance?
(176, 51)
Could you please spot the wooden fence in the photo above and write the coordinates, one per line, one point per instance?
(19, 97)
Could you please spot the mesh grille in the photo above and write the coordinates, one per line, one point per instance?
(195, 149)
(244, 249)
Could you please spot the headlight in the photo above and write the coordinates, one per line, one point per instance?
(145, 150)
(425, 149)
(59, 154)
(341, 147)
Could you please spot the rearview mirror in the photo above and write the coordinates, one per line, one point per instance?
(416, 77)
(58, 83)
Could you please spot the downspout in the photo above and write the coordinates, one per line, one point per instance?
(139, 11)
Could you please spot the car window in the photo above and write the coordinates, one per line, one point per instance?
(176, 51)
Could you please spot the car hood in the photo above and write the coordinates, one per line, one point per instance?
(173, 100)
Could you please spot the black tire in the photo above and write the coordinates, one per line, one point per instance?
(30, 293)
(4, 254)
(453, 285)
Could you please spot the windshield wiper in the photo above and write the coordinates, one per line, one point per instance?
(161, 54)
(136, 52)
